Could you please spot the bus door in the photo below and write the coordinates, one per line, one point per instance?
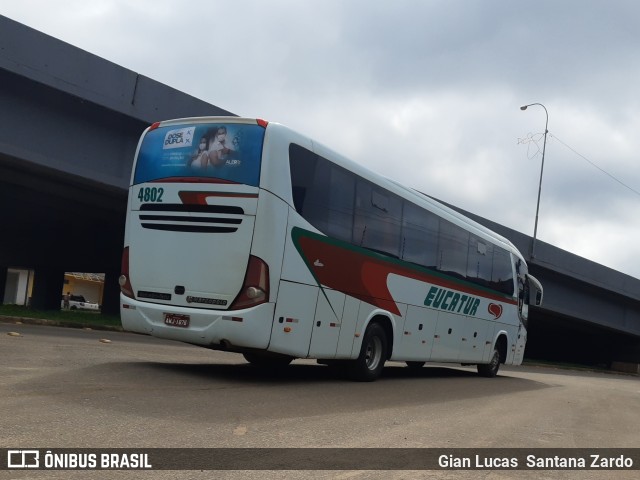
(523, 311)
(531, 292)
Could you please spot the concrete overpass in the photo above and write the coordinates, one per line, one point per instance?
(69, 127)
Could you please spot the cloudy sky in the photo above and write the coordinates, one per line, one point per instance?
(425, 92)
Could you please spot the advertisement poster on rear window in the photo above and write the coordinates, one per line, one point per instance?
(229, 152)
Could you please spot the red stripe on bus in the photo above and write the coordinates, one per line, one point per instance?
(364, 276)
(200, 198)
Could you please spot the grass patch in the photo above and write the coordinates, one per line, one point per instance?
(70, 316)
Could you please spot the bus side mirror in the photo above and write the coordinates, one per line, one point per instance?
(535, 291)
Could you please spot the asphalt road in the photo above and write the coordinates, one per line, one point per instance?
(63, 387)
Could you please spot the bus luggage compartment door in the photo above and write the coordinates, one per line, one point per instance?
(293, 320)
(327, 323)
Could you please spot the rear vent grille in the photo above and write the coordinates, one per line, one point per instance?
(183, 221)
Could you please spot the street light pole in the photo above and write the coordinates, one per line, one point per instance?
(544, 146)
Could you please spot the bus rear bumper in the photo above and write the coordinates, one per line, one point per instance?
(249, 328)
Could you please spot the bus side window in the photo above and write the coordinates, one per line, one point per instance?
(480, 261)
(342, 188)
(453, 249)
(322, 192)
(377, 221)
(302, 164)
(502, 271)
(420, 231)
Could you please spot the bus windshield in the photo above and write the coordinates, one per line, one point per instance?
(229, 152)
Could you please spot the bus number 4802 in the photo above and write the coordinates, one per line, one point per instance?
(153, 194)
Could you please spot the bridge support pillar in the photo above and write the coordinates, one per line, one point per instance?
(47, 288)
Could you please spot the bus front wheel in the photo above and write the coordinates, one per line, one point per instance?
(373, 353)
(490, 369)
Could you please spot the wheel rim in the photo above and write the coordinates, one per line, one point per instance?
(373, 354)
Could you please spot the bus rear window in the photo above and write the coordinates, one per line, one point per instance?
(228, 152)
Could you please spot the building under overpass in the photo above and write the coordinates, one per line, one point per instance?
(69, 127)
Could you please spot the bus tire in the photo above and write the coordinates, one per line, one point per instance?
(373, 353)
(415, 365)
(490, 369)
(267, 360)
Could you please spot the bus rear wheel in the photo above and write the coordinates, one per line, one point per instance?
(373, 353)
(490, 369)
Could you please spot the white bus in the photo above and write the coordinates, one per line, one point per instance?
(244, 236)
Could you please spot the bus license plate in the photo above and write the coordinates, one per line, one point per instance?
(177, 320)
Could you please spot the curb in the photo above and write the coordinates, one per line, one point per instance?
(57, 323)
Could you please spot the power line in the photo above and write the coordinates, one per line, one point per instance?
(593, 164)
(531, 139)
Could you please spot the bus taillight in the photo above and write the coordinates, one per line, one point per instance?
(124, 281)
(255, 289)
